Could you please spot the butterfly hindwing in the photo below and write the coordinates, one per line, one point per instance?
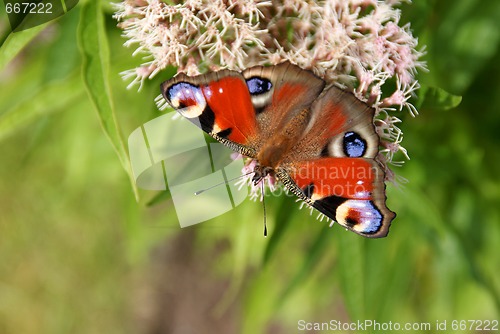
(350, 191)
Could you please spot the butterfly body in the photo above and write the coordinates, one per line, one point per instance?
(319, 142)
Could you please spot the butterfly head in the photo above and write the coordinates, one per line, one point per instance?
(260, 172)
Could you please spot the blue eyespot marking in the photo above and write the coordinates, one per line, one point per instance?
(257, 85)
(360, 215)
(354, 146)
(183, 94)
(186, 98)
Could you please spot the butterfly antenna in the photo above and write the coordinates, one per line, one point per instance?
(219, 184)
(264, 205)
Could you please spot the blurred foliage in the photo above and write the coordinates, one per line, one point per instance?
(75, 243)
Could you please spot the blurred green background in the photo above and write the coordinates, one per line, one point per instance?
(79, 254)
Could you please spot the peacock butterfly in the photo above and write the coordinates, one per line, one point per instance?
(319, 142)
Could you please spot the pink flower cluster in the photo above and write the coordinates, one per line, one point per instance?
(356, 44)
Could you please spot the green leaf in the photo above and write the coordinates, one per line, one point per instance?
(437, 98)
(49, 99)
(95, 53)
(15, 42)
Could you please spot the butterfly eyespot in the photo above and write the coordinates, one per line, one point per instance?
(354, 146)
(185, 95)
(257, 85)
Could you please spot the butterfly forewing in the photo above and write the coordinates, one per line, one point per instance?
(218, 102)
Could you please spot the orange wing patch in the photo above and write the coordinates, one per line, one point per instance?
(341, 177)
(229, 100)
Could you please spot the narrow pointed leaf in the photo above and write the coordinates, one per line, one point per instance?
(95, 53)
